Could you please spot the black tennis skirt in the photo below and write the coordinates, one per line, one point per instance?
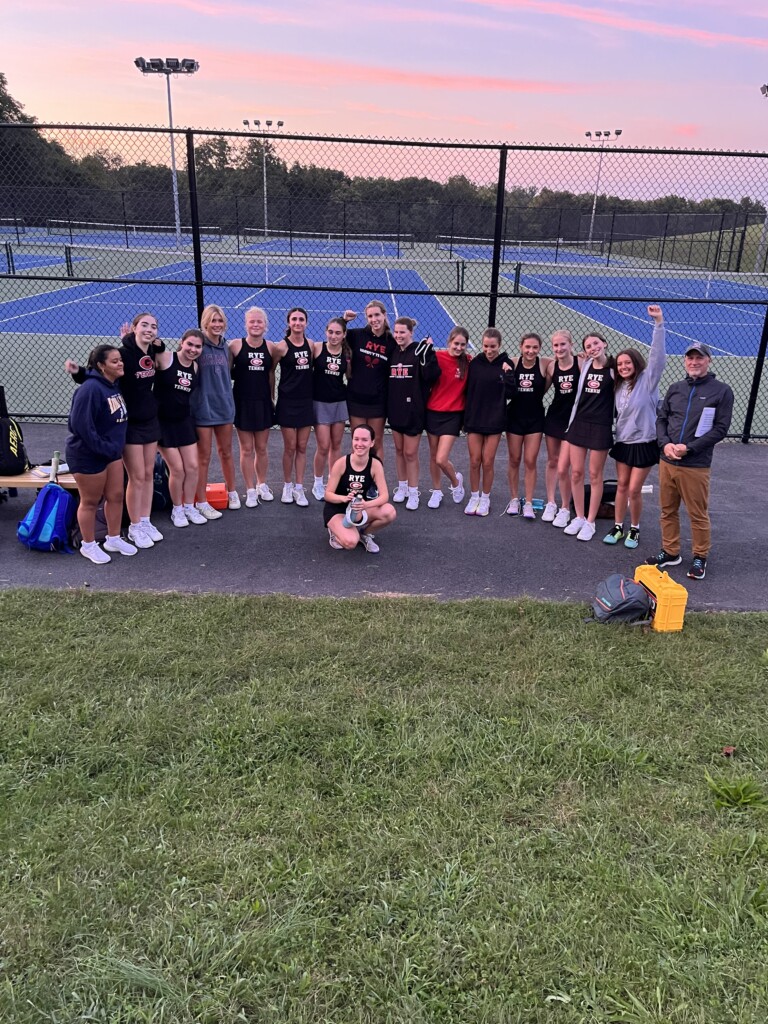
(641, 455)
(440, 424)
(177, 433)
(254, 415)
(595, 436)
(295, 414)
(143, 431)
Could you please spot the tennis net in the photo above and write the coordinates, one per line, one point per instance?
(325, 243)
(575, 280)
(261, 270)
(13, 225)
(513, 249)
(129, 231)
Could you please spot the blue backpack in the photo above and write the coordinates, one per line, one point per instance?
(46, 526)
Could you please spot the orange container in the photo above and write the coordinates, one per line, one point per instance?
(668, 599)
(216, 495)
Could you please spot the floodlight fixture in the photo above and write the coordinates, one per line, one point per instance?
(604, 136)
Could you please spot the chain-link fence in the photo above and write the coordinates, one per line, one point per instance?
(95, 226)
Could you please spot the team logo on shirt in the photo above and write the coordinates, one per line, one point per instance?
(146, 367)
(525, 381)
(184, 380)
(593, 381)
(333, 365)
(400, 370)
(302, 360)
(566, 385)
(256, 361)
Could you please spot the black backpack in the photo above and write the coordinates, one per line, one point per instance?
(619, 599)
(13, 454)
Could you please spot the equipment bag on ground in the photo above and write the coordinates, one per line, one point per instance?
(620, 599)
(46, 526)
(13, 454)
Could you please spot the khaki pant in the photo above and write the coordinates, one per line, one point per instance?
(691, 486)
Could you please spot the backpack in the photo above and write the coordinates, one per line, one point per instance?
(46, 526)
(619, 599)
(13, 454)
(161, 495)
(607, 509)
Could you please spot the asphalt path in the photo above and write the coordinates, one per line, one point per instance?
(438, 553)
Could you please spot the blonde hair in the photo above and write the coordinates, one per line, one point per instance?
(378, 304)
(563, 334)
(263, 312)
(208, 314)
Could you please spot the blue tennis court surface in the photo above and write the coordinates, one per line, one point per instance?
(97, 309)
(727, 328)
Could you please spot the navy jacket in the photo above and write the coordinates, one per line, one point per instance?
(97, 423)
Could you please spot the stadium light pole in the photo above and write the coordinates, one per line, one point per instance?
(263, 131)
(763, 243)
(604, 137)
(170, 66)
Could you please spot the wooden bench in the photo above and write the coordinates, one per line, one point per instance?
(31, 479)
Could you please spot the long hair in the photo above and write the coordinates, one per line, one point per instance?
(346, 351)
(463, 359)
(609, 363)
(378, 304)
(638, 362)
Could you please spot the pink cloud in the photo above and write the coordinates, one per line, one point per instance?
(686, 131)
(315, 72)
(216, 9)
(412, 113)
(609, 19)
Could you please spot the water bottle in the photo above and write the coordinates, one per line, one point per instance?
(354, 515)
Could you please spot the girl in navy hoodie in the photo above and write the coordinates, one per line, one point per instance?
(98, 421)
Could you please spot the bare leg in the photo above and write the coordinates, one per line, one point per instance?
(223, 435)
(531, 446)
(490, 446)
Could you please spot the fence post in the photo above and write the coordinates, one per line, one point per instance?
(125, 221)
(752, 401)
(237, 223)
(497, 236)
(398, 229)
(663, 242)
(610, 238)
(740, 253)
(194, 217)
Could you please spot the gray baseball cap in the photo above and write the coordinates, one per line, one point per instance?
(703, 350)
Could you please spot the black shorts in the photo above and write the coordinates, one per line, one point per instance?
(555, 427)
(177, 433)
(330, 510)
(595, 436)
(407, 431)
(363, 411)
(523, 424)
(294, 414)
(440, 424)
(253, 416)
(641, 455)
(143, 431)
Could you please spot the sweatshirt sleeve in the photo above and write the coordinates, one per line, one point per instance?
(657, 357)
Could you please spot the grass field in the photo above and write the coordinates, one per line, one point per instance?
(220, 809)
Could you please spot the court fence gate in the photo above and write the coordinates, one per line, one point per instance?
(98, 223)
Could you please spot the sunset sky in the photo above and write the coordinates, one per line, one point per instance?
(667, 73)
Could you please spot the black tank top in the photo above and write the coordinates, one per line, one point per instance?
(596, 399)
(250, 372)
(173, 388)
(564, 384)
(354, 481)
(296, 373)
(529, 386)
(328, 381)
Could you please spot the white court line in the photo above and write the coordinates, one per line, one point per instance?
(259, 292)
(391, 292)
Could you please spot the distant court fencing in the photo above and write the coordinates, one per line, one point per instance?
(96, 227)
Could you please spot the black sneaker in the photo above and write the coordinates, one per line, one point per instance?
(663, 558)
(698, 568)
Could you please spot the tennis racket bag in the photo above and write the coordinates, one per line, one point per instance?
(13, 454)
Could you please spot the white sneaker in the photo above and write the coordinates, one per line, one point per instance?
(413, 500)
(574, 526)
(196, 516)
(369, 543)
(151, 531)
(207, 510)
(483, 506)
(94, 554)
(318, 491)
(137, 536)
(528, 511)
(287, 497)
(333, 542)
(587, 532)
(400, 495)
(434, 499)
(265, 494)
(513, 508)
(178, 518)
(549, 513)
(457, 492)
(299, 496)
(251, 497)
(233, 500)
(119, 546)
(562, 518)
(471, 506)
